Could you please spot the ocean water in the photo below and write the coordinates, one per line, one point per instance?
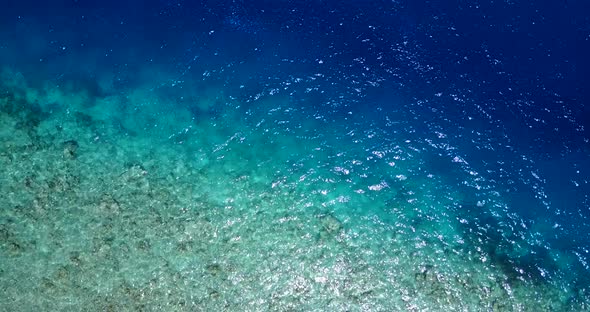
(294, 156)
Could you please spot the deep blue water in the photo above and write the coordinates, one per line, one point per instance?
(483, 103)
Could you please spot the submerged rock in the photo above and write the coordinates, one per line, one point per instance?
(331, 224)
(70, 149)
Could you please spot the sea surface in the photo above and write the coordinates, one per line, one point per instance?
(294, 155)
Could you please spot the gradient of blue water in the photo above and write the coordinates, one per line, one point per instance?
(500, 86)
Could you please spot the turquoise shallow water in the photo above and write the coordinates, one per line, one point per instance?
(227, 162)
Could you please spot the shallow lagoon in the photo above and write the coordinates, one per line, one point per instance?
(178, 173)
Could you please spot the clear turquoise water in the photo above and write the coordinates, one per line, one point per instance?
(219, 162)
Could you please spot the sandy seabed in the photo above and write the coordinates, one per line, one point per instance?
(125, 201)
